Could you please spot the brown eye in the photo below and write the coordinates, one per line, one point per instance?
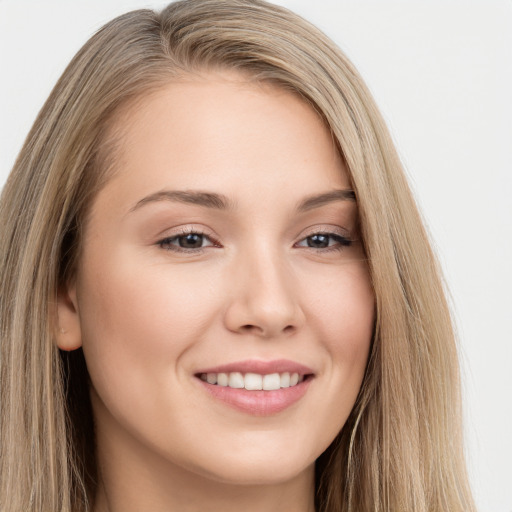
(190, 241)
(318, 241)
(328, 241)
(187, 242)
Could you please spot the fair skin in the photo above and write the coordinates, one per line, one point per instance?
(154, 309)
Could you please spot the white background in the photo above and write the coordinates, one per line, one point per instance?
(441, 72)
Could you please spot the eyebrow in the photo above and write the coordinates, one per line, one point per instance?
(206, 199)
(315, 201)
(222, 202)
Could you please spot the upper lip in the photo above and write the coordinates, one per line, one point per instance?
(260, 367)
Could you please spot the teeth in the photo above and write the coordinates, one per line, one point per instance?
(253, 381)
(222, 379)
(236, 380)
(272, 381)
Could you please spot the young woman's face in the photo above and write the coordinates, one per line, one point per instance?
(224, 248)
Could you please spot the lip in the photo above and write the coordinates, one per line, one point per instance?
(260, 366)
(258, 403)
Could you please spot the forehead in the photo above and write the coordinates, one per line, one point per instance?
(224, 133)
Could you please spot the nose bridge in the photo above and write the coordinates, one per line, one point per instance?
(263, 300)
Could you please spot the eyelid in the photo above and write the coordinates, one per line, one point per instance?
(341, 236)
(326, 230)
(337, 233)
(184, 231)
(332, 235)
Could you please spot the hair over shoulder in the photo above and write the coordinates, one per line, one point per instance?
(401, 448)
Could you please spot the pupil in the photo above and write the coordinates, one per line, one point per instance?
(191, 241)
(318, 241)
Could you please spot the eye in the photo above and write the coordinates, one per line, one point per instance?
(326, 241)
(187, 241)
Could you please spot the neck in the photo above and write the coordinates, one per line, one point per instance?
(134, 488)
(192, 497)
(132, 477)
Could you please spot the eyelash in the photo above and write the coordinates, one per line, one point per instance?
(165, 243)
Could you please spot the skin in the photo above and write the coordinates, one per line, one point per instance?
(149, 317)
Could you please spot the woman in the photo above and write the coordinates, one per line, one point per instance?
(216, 288)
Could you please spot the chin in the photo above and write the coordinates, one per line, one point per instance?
(262, 464)
(250, 472)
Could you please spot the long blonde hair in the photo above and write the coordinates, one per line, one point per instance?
(401, 448)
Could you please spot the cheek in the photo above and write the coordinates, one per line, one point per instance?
(137, 320)
(344, 309)
(122, 301)
(353, 323)
(344, 316)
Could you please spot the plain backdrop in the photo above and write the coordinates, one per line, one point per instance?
(441, 71)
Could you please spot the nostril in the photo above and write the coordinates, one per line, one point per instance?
(249, 328)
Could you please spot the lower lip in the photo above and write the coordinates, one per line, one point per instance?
(259, 403)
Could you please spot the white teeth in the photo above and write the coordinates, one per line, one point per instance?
(271, 382)
(236, 380)
(222, 379)
(253, 381)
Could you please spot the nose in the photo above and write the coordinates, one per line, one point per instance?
(264, 299)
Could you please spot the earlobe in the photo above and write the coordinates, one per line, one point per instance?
(67, 330)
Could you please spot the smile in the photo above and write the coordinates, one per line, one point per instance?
(253, 381)
(257, 387)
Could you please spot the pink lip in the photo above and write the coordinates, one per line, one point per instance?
(261, 367)
(259, 403)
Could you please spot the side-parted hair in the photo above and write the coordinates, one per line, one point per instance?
(401, 448)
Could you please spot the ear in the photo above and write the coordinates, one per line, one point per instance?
(67, 326)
